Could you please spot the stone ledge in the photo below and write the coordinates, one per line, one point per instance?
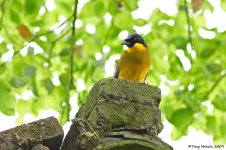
(47, 132)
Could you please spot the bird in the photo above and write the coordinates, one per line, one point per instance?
(134, 62)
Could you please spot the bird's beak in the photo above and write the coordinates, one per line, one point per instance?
(125, 43)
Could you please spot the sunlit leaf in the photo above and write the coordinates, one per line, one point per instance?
(220, 101)
(130, 4)
(14, 16)
(88, 9)
(160, 65)
(99, 12)
(111, 6)
(211, 124)
(82, 97)
(177, 134)
(182, 118)
(7, 99)
(207, 5)
(23, 107)
(123, 20)
(63, 118)
(140, 22)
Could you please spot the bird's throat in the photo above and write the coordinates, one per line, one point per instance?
(137, 48)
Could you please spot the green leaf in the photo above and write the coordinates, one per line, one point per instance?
(206, 53)
(88, 9)
(130, 4)
(14, 16)
(17, 82)
(177, 134)
(111, 6)
(220, 101)
(2, 68)
(179, 42)
(20, 120)
(140, 22)
(23, 107)
(211, 124)
(64, 52)
(29, 71)
(161, 65)
(34, 88)
(182, 118)
(208, 5)
(7, 99)
(31, 7)
(49, 85)
(214, 68)
(99, 8)
(82, 97)
(63, 79)
(63, 118)
(123, 20)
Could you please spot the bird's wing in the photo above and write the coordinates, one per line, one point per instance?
(118, 67)
(116, 71)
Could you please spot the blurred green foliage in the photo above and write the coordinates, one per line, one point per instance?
(30, 22)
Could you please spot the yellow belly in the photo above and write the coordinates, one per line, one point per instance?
(134, 66)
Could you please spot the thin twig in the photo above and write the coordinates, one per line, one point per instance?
(214, 86)
(70, 63)
(51, 31)
(2, 8)
(189, 27)
(35, 37)
(54, 43)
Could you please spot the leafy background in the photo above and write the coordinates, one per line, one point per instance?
(48, 52)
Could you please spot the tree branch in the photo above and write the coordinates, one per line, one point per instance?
(2, 8)
(190, 41)
(189, 27)
(66, 108)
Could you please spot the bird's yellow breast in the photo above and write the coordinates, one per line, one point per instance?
(134, 63)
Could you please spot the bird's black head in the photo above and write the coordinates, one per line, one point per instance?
(133, 39)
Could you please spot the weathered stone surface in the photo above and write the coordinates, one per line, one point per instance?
(82, 136)
(120, 90)
(118, 114)
(40, 147)
(132, 145)
(45, 131)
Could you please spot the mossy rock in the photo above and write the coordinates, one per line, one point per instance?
(118, 115)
